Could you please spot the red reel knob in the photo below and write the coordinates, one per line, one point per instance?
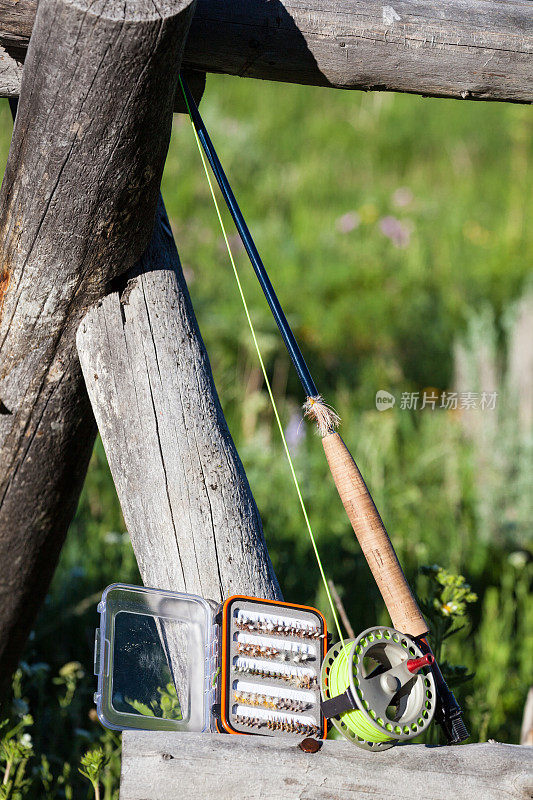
(415, 664)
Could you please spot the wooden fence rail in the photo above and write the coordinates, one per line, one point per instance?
(471, 49)
(164, 766)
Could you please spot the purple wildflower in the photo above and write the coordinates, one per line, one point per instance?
(397, 231)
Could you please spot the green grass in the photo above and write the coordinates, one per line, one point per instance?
(370, 315)
(301, 158)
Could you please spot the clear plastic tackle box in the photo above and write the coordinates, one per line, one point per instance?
(175, 661)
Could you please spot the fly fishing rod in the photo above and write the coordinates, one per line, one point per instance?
(357, 702)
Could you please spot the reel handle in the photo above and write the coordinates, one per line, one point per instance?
(373, 538)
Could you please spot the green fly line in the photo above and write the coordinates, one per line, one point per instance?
(355, 721)
(265, 376)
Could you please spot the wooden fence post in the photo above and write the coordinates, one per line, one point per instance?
(186, 501)
(77, 205)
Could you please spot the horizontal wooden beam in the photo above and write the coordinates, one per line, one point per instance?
(470, 49)
(163, 766)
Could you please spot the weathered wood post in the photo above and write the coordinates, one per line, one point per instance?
(76, 209)
(187, 504)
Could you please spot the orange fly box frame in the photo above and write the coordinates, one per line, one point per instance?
(175, 661)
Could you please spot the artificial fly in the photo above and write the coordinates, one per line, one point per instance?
(364, 517)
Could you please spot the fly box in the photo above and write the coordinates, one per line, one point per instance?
(174, 661)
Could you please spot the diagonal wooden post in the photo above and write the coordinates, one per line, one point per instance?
(186, 501)
(76, 209)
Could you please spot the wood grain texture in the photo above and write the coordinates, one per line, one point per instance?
(373, 538)
(163, 766)
(77, 205)
(184, 494)
(471, 49)
(10, 73)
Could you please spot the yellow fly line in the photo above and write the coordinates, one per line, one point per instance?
(267, 382)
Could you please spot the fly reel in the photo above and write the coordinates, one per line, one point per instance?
(378, 689)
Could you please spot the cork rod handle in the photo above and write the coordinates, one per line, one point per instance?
(373, 538)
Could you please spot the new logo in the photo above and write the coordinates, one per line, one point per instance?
(384, 400)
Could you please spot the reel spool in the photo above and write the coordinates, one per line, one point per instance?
(378, 689)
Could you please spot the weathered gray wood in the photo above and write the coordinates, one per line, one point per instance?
(185, 498)
(526, 731)
(163, 766)
(475, 49)
(10, 74)
(16, 22)
(76, 209)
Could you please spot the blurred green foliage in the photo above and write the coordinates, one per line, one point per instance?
(395, 230)
(93, 763)
(167, 706)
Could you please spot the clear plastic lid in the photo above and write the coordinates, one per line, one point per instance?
(155, 657)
